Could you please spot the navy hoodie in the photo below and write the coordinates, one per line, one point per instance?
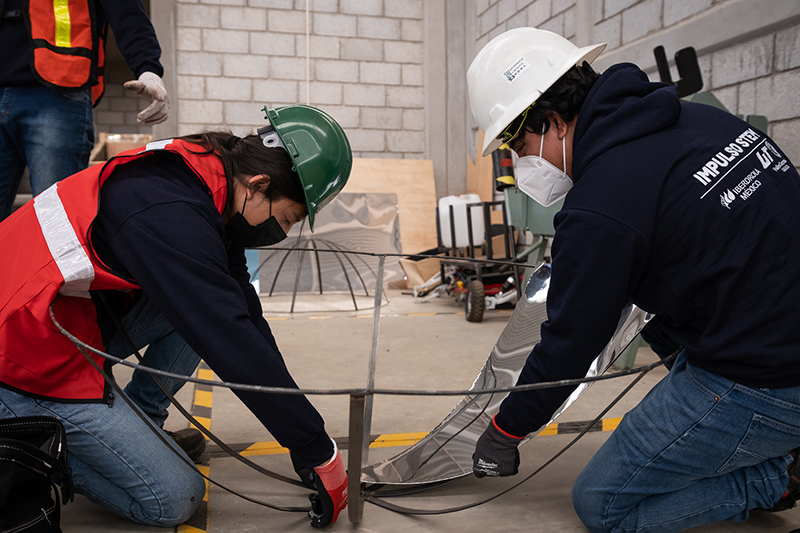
(158, 225)
(686, 211)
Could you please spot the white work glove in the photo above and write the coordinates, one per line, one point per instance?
(150, 85)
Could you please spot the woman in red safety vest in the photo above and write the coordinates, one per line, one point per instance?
(153, 240)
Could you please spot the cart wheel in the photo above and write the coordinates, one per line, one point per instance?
(476, 301)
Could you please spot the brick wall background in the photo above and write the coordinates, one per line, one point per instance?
(365, 69)
(392, 72)
(116, 112)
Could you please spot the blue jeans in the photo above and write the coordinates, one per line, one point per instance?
(117, 460)
(698, 449)
(166, 350)
(51, 132)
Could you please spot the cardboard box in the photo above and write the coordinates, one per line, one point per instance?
(110, 144)
(418, 272)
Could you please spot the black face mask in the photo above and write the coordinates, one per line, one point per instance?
(240, 231)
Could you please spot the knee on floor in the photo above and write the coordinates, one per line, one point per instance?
(183, 498)
(589, 505)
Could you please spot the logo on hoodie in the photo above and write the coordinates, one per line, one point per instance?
(727, 198)
(727, 157)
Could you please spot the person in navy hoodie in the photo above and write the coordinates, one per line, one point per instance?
(692, 215)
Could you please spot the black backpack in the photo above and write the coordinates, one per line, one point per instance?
(33, 457)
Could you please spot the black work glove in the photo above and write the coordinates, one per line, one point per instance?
(496, 453)
(330, 482)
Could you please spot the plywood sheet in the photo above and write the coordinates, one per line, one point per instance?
(480, 175)
(412, 181)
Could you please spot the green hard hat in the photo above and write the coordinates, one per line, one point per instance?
(319, 150)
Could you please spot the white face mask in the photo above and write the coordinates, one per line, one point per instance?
(540, 179)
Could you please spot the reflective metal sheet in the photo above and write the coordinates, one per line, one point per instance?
(446, 452)
(359, 222)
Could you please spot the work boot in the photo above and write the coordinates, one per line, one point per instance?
(792, 493)
(191, 441)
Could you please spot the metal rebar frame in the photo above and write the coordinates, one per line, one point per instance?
(331, 246)
(360, 406)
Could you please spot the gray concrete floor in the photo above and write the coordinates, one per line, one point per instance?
(421, 346)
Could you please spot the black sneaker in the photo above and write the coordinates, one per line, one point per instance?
(191, 441)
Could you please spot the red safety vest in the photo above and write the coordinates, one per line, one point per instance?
(48, 259)
(64, 40)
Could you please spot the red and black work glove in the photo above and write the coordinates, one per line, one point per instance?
(330, 482)
(496, 453)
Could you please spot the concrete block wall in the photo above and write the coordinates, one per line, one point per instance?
(757, 72)
(762, 77)
(498, 16)
(365, 68)
(116, 112)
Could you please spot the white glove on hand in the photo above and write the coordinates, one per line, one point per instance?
(150, 85)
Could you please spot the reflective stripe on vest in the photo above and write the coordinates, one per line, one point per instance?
(61, 11)
(72, 260)
(62, 36)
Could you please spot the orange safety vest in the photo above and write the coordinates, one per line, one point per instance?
(64, 41)
(49, 259)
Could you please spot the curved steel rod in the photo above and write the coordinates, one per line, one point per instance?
(297, 280)
(358, 255)
(424, 256)
(370, 497)
(346, 277)
(278, 271)
(253, 277)
(356, 391)
(334, 245)
(319, 268)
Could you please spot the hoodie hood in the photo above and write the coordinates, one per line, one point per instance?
(622, 105)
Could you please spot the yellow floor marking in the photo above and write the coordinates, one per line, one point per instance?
(183, 528)
(203, 398)
(279, 318)
(364, 316)
(551, 429)
(205, 422)
(205, 470)
(319, 317)
(205, 374)
(401, 439)
(397, 439)
(422, 314)
(264, 448)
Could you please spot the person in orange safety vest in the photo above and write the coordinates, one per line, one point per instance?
(154, 239)
(52, 74)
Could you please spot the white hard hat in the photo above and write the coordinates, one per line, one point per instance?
(513, 70)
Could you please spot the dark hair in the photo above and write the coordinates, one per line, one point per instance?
(246, 157)
(564, 98)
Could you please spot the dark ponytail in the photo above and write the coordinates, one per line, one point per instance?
(247, 156)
